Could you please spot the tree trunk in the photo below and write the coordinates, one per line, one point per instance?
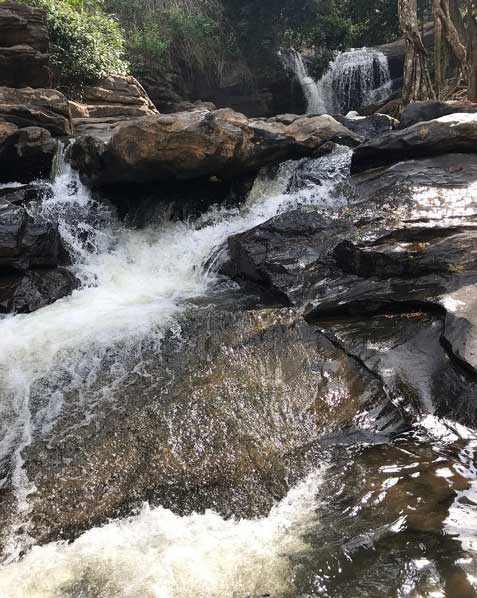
(443, 14)
(439, 74)
(472, 49)
(457, 19)
(417, 82)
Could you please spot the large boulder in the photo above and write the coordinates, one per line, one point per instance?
(47, 108)
(31, 254)
(417, 112)
(24, 45)
(232, 412)
(405, 241)
(201, 143)
(452, 133)
(27, 154)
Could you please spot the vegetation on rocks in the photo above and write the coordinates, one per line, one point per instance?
(86, 42)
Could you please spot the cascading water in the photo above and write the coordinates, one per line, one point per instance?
(293, 61)
(370, 520)
(135, 283)
(352, 80)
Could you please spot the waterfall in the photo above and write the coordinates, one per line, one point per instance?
(134, 285)
(293, 61)
(353, 79)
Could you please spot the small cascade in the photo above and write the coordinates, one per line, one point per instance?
(293, 61)
(353, 79)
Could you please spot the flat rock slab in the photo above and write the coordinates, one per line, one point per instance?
(227, 414)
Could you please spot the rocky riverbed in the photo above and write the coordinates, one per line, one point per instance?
(237, 356)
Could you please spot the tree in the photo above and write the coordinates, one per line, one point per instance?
(417, 81)
(472, 49)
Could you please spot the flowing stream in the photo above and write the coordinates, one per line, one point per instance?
(388, 520)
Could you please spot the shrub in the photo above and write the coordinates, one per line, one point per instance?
(86, 43)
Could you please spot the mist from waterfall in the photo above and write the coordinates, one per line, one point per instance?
(353, 79)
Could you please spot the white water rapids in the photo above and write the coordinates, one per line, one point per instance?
(160, 555)
(322, 537)
(135, 283)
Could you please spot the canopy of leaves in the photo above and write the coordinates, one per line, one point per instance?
(86, 43)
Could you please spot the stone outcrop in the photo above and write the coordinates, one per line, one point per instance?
(182, 445)
(26, 154)
(28, 107)
(405, 243)
(452, 133)
(24, 43)
(370, 126)
(418, 112)
(202, 143)
(110, 102)
(31, 254)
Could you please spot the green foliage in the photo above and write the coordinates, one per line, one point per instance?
(188, 37)
(86, 43)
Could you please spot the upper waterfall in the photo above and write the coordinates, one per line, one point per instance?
(353, 79)
(293, 61)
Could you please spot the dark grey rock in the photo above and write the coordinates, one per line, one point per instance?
(453, 133)
(26, 155)
(417, 112)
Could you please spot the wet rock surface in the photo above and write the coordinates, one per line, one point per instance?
(231, 411)
(26, 155)
(201, 143)
(368, 127)
(452, 133)
(406, 241)
(31, 254)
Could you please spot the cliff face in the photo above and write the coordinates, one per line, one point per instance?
(24, 45)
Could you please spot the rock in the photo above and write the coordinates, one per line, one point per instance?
(112, 101)
(406, 352)
(118, 90)
(418, 112)
(452, 133)
(368, 127)
(201, 143)
(406, 240)
(31, 254)
(232, 412)
(34, 289)
(24, 43)
(6, 129)
(24, 242)
(46, 108)
(27, 154)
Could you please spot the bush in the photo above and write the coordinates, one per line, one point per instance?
(86, 43)
(186, 37)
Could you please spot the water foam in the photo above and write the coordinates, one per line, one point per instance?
(160, 555)
(134, 285)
